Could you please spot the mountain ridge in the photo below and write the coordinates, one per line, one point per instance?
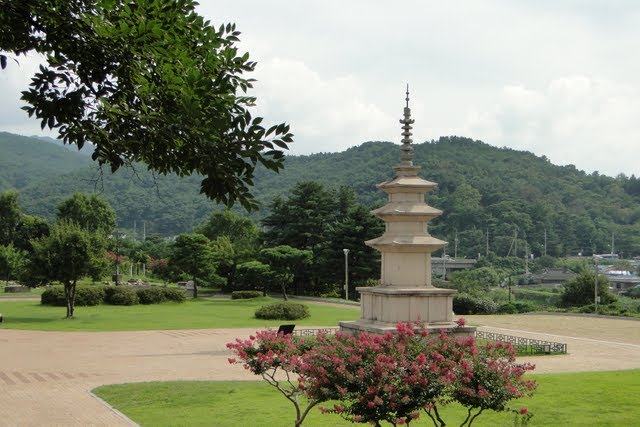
(480, 187)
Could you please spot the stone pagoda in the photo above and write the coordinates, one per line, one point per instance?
(405, 293)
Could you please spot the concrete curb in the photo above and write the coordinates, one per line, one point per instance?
(114, 410)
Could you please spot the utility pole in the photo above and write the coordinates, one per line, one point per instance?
(444, 262)
(455, 247)
(613, 238)
(595, 282)
(117, 257)
(144, 230)
(515, 243)
(486, 250)
(526, 258)
(346, 273)
(545, 242)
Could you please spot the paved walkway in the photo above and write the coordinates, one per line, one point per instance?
(45, 377)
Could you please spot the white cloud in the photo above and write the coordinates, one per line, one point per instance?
(556, 78)
(325, 114)
(579, 120)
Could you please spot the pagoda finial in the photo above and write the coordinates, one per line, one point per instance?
(406, 155)
(407, 98)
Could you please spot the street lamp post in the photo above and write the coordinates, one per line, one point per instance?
(595, 282)
(117, 257)
(346, 273)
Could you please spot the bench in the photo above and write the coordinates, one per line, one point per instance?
(286, 329)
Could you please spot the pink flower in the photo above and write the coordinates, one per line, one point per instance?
(231, 360)
(461, 322)
(524, 411)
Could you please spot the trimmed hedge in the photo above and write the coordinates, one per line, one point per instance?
(517, 307)
(121, 295)
(285, 310)
(468, 304)
(245, 294)
(174, 294)
(85, 296)
(113, 295)
(152, 295)
(53, 295)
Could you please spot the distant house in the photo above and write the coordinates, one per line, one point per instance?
(553, 276)
(607, 256)
(621, 280)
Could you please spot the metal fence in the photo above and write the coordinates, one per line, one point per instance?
(314, 332)
(522, 345)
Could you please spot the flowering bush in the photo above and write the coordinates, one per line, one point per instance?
(392, 377)
(277, 358)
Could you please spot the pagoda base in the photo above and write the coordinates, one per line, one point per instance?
(382, 307)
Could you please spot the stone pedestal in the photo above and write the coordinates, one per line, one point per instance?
(382, 307)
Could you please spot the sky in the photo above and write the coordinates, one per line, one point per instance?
(555, 78)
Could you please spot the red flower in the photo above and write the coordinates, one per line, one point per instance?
(461, 322)
(524, 411)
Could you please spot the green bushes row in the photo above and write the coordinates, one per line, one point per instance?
(245, 294)
(613, 309)
(469, 304)
(517, 307)
(538, 296)
(85, 296)
(285, 310)
(113, 295)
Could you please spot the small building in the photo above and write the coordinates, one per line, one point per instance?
(553, 276)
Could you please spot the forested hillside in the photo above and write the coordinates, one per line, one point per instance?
(515, 196)
(24, 160)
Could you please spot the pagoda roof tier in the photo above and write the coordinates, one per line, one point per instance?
(413, 211)
(407, 184)
(406, 243)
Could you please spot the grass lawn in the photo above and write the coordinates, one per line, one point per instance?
(567, 400)
(194, 314)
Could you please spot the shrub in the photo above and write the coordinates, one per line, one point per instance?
(89, 295)
(245, 294)
(85, 296)
(467, 304)
(516, 307)
(152, 295)
(120, 295)
(174, 295)
(332, 294)
(633, 293)
(285, 310)
(53, 295)
(579, 291)
(545, 297)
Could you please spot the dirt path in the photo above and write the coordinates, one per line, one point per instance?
(45, 377)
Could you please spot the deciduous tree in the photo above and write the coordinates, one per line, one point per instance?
(69, 253)
(89, 211)
(146, 81)
(580, 291)
(12, 262)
